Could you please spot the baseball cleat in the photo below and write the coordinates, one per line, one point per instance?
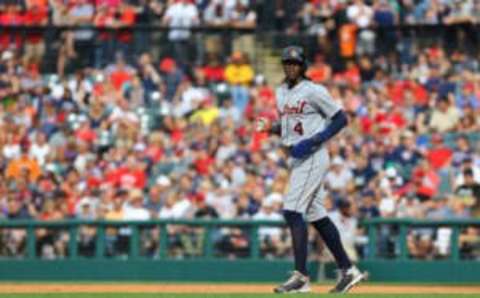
(297, 283)
(348, 279)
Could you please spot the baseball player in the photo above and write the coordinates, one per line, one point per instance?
(308, 119)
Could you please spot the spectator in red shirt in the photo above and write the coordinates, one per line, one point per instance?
(125, 17)
(439, 156)
(425, 180)
(34, 42)
(86, 133)
(10, 15)
(213, 70)
(319, 72)
(120, 73)
(105, 18)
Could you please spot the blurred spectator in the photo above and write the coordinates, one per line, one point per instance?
(34, 43)
(181, 16)
(444, 117)
(23, 166)
(319, 71)
(239, 74)
(361, 15)
(339, 180)
(270, 237)
(347, 226)
(469, 192)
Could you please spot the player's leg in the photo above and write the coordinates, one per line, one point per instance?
(299, 281)
(294, 217)
(317, 216)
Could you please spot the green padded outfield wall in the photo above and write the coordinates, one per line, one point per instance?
(147, 270)
(228, 271)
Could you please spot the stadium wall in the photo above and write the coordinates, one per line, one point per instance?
(228, 270)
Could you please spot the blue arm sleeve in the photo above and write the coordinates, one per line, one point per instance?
(338, 122)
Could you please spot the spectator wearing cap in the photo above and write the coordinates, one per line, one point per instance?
(172, 76)
(239, 74)
(202, 208)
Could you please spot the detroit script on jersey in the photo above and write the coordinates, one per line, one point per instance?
(304, 110)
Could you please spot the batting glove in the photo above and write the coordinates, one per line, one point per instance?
(303, 149)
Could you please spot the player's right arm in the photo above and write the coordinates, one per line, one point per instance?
(266, 125)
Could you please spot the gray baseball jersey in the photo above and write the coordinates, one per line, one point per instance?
(305, 110)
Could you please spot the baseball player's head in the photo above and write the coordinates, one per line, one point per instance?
(294, 63)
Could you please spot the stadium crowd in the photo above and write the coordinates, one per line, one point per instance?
(139, 139)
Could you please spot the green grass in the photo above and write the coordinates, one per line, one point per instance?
(118, 295)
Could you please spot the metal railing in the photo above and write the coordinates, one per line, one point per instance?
(404, 225)
(135, 226)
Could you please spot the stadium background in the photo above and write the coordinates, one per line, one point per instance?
(144, 110)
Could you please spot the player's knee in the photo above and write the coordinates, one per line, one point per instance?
(324, 221)
(292, 217)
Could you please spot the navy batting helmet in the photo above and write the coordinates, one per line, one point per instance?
(293, 53)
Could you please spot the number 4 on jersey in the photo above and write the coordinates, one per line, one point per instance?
(298, 128)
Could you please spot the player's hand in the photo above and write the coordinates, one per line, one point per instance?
(303, 149)
(262, 124)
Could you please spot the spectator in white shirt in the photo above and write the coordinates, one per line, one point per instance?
(135, 210)
(181, 16)
(175, 207)
(11, 150)
(361, 15)
(347, 226)
(340, 177)
(270, 237)
(40, 149)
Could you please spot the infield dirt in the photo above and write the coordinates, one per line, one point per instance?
(219, 288)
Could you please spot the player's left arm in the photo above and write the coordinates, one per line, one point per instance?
(325, 105)
(337, 122)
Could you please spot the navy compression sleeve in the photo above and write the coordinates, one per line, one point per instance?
(338, 122)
